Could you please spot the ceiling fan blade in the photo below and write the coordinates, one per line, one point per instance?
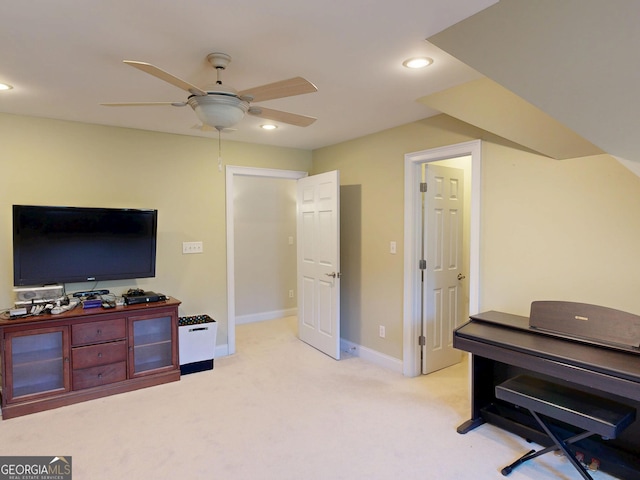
(284, 117)
(281, 89)
(166, 76)
(144, 104)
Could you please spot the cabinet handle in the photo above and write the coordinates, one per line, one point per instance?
(99, 354)
(99, 375)
(99, 332)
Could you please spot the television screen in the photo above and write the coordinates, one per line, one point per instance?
(74, 244)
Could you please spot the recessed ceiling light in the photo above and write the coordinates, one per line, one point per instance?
(5, 86)
(418, 62)
(268, 126)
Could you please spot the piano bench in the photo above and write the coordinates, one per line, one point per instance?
(590, 413)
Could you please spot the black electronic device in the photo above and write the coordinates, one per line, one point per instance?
(77, 244)
(90, 293)
(146, 297)
(135, 292)
(92, 303)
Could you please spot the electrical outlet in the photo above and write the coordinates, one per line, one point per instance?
(191, 247)
(393, 248)
(290, 293)
(382, 331)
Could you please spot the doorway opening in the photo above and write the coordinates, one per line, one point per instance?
(412, 321)
(231, 173)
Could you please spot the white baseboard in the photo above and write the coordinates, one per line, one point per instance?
(262, 316)
(222, 350)
(372, 356)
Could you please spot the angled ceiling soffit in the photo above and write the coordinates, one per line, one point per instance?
(491, 107)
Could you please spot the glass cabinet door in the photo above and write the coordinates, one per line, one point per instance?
(153, 344)
(37, 362)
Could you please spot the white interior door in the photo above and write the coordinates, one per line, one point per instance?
(442, 293)
(318, 231)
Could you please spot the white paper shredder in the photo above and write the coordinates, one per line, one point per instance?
(197, 343)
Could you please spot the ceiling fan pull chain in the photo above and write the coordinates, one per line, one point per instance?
(219, 152)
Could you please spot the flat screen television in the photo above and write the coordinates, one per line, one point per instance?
(77, 244)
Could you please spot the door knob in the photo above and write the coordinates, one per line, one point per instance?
(461, 276)
(333, 274)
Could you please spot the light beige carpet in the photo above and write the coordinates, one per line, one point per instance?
(279, 409)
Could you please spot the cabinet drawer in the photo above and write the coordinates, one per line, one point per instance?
(96, 376)
(101, 354)
(94, 332)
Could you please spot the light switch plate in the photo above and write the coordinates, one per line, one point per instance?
(191, 247)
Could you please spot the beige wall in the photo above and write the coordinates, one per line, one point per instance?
(53, 162)
(558, 230)
(549, 229)
(372, 209)
(264, 261)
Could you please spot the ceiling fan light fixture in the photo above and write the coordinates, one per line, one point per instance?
(219, 111)
(222, 107)
(268, 126)
(417, 62)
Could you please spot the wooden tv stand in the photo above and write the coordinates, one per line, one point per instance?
(50, 361)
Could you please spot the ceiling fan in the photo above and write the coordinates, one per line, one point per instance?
(220, 106)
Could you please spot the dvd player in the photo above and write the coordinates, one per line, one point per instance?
(145, 297)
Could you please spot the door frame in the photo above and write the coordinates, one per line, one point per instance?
(411, 365)
(230, 172)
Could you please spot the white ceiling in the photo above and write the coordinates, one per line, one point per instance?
(64, 58)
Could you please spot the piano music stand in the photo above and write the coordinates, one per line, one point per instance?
(594, 415)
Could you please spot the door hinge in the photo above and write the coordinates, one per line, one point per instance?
(422, 264)
(423, 187)
(422, 341)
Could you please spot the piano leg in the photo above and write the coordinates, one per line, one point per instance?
(470, 425)
(482, 384)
